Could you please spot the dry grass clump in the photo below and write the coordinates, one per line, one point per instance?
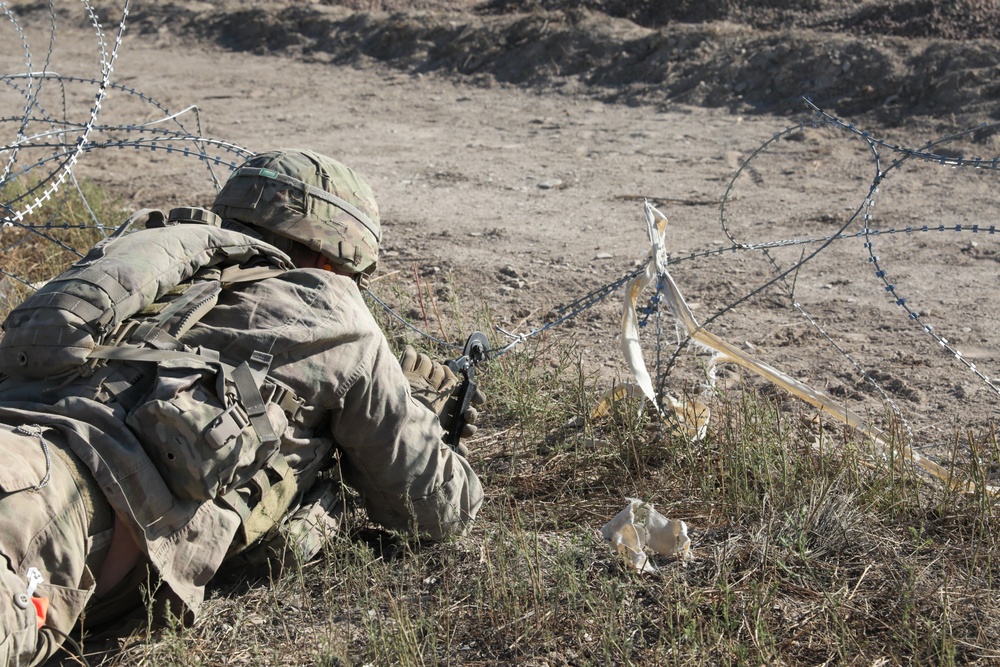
(57, 232)
(806, 550)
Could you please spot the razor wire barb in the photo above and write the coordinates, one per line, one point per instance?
(784, 277)
(55, 178)
(863, 212)
(562, 314)
(65, 141)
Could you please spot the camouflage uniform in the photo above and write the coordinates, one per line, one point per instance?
(355, 411)
(53, 518)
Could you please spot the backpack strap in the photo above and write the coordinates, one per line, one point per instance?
(185, 311)
(248, 378)
(238, 274)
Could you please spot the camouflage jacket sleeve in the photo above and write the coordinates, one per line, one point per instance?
(329, 349)
(396, 456)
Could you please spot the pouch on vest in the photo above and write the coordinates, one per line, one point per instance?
(195, 426)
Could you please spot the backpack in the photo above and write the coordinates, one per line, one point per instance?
(113, 321)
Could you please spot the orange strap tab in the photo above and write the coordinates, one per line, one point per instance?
(41, 609)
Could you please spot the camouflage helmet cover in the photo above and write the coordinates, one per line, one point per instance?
(308, 198)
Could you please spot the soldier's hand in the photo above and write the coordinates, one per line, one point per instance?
(471, 414)
(435, 385)
(431, 383)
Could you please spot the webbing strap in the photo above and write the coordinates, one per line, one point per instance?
(195, 313)
(84, 310)
(195, 215)
(125, 382)
(147, 333)
(155, 356)
(262, 482)
(276, 489)
(198, 297)
(248, 379)
(239, 274)
(234, 499)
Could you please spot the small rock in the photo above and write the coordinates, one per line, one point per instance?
(551, 184)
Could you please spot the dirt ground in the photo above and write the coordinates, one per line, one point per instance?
(510, 144)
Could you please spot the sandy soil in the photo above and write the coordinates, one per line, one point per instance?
(510, 146)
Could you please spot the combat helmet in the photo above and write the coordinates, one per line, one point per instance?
(308, 198)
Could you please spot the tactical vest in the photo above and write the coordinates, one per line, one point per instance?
(113, 323)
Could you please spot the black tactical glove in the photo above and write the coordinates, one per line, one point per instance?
(435, 385)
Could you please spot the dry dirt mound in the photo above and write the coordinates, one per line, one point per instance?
(958, 19)
(894, 60)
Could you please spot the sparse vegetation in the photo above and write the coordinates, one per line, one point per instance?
(806, 550)
(56, 233)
